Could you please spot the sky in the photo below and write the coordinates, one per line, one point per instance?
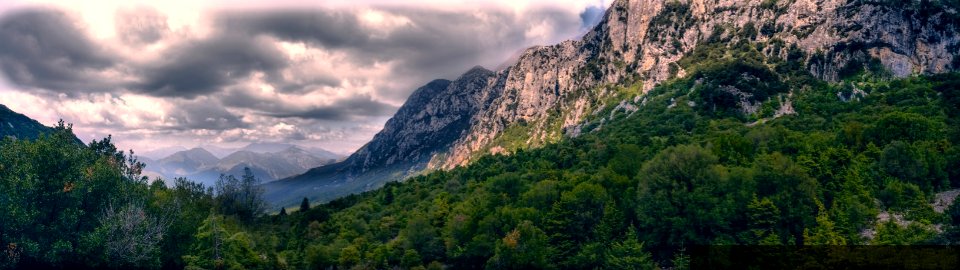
(327, 74)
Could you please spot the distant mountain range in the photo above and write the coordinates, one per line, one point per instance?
(19, 126)
(268, 161)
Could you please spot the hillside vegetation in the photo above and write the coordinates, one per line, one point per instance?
(713, 158)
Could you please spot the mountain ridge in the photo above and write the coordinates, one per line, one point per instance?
(552, 90)
(19, 126)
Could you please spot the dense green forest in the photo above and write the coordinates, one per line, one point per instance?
(690, 167)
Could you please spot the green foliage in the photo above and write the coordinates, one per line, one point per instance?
(630, 195)
(240, 197)
(525, 247)
(824, 233)
(681, 177)
(629, 254)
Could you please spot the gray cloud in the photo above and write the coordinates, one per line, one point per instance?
(344, 109)
(203, 115)
(434, 45)
(590, 17)
(208, 66)
(42, 48)
(332, 29)
(142, 25)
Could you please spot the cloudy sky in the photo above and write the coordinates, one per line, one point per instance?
(320, 73)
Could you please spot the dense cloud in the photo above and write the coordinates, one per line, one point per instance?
(141, 26)
(44, 49)
(345, 109)
(208, 66)
(312, 74)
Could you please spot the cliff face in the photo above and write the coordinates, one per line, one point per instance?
(551, 90)
(642, 41)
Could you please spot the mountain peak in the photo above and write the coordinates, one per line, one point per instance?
(476, 71)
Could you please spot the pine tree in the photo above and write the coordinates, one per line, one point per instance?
(304, 205)
(283, 212)
(824, 233)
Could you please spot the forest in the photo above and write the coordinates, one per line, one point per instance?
(691, 167)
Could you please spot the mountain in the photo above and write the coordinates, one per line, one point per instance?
(19, 126)
(276, 165)
(557, 91)
(269, 147)
(200, 165)
(266, 147)
(162, 152)
(217, 151)
(186, 162)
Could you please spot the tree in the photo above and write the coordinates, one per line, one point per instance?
(683, 197)
(421, 236)
(240, 197)
(791, 189)
(573, 219)
(525, 247)
(824, 233)
(763, 217)
(304, 205)
(131, 237)
(628, 254)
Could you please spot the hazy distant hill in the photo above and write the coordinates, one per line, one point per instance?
(269, 161)
(162, 152)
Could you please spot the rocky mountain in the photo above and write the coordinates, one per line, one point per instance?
(19, 126)
(554, 91)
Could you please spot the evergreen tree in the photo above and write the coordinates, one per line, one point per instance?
(304, 205)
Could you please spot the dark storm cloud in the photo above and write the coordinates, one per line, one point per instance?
(303, 85)
(344, 109)
(42, 48)
(435, 44)
(332, 29)
(209, 66)
(141, 25)
(204, 114)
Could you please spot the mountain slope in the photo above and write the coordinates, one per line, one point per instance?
(19, 126)
(552, 91)
(434, 116)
